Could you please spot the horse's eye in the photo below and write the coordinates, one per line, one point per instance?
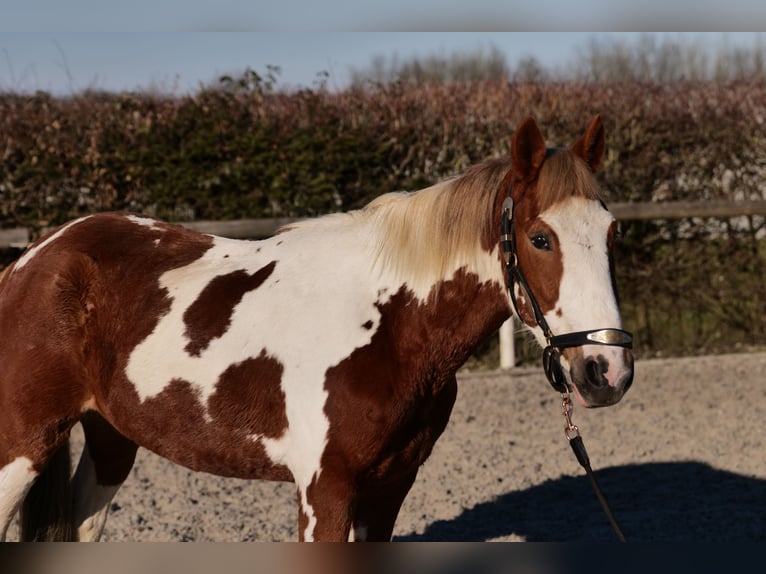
(541, 241)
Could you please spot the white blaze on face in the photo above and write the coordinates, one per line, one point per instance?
(586, 298)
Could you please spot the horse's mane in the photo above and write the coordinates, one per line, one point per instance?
(426, 235)
(430, 233)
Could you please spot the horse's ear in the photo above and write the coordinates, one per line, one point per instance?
(527, 150)
(590, 146)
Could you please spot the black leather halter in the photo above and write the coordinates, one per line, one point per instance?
(555, 343)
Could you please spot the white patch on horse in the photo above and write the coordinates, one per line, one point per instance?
(311, 519)
(143, 221)
(32, 251)
(586, 297)
(16, 478)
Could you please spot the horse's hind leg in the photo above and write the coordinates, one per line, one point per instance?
(16, 478)
(105, 463)
(34, 468)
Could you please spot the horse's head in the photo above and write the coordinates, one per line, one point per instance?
(562, 236)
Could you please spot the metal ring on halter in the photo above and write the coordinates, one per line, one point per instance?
(553, 370)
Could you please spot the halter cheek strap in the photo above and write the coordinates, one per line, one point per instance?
(513, 271)
(555, 343)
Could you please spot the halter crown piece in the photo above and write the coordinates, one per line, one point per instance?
(555, 343)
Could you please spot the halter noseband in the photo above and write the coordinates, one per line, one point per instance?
(552, 352)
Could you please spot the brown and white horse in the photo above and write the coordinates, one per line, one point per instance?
(325, 355)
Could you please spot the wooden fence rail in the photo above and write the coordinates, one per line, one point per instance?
(687, 209)
(257, 228)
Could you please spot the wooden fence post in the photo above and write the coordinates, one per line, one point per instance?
(507, 345)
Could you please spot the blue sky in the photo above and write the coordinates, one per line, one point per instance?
(68, 62)
(64, 46)
(377, 15)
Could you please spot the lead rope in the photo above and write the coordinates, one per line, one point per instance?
(572, 433)
(551, 353)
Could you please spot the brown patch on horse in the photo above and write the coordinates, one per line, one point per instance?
(249, 398)
(96, 296)
(210, 315)
(386, 421)
(85, 300)
(127, 299)
(175, 424)
(119, 302)
(542, 270)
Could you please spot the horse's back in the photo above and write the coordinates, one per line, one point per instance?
(89, 277)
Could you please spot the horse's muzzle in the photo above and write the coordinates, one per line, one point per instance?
(600, 375)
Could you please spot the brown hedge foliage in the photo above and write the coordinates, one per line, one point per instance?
(248, 150)
(242, 153)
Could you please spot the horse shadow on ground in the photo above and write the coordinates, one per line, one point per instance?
(656, 502)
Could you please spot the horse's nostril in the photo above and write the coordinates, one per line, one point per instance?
(595, 370)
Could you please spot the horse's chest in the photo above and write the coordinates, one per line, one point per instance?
(412, 438)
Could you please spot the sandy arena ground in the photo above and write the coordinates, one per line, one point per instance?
(681, 458)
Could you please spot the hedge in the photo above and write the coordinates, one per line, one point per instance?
(246, 149)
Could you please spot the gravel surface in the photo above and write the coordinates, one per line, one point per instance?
(681, 458)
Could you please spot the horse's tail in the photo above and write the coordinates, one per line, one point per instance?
(47, 511)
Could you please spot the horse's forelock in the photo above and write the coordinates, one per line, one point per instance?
(564, 175)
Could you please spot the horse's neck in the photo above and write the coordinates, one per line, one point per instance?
(435, 314)
(444, 330)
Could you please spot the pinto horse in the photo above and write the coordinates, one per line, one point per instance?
(325, 355)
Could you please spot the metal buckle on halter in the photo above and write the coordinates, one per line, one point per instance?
(616, 337)
(508, 254)
(506, 234)
(609, 337)
(508, 206)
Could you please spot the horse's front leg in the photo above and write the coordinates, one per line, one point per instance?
(377, 508)
(325, 508)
